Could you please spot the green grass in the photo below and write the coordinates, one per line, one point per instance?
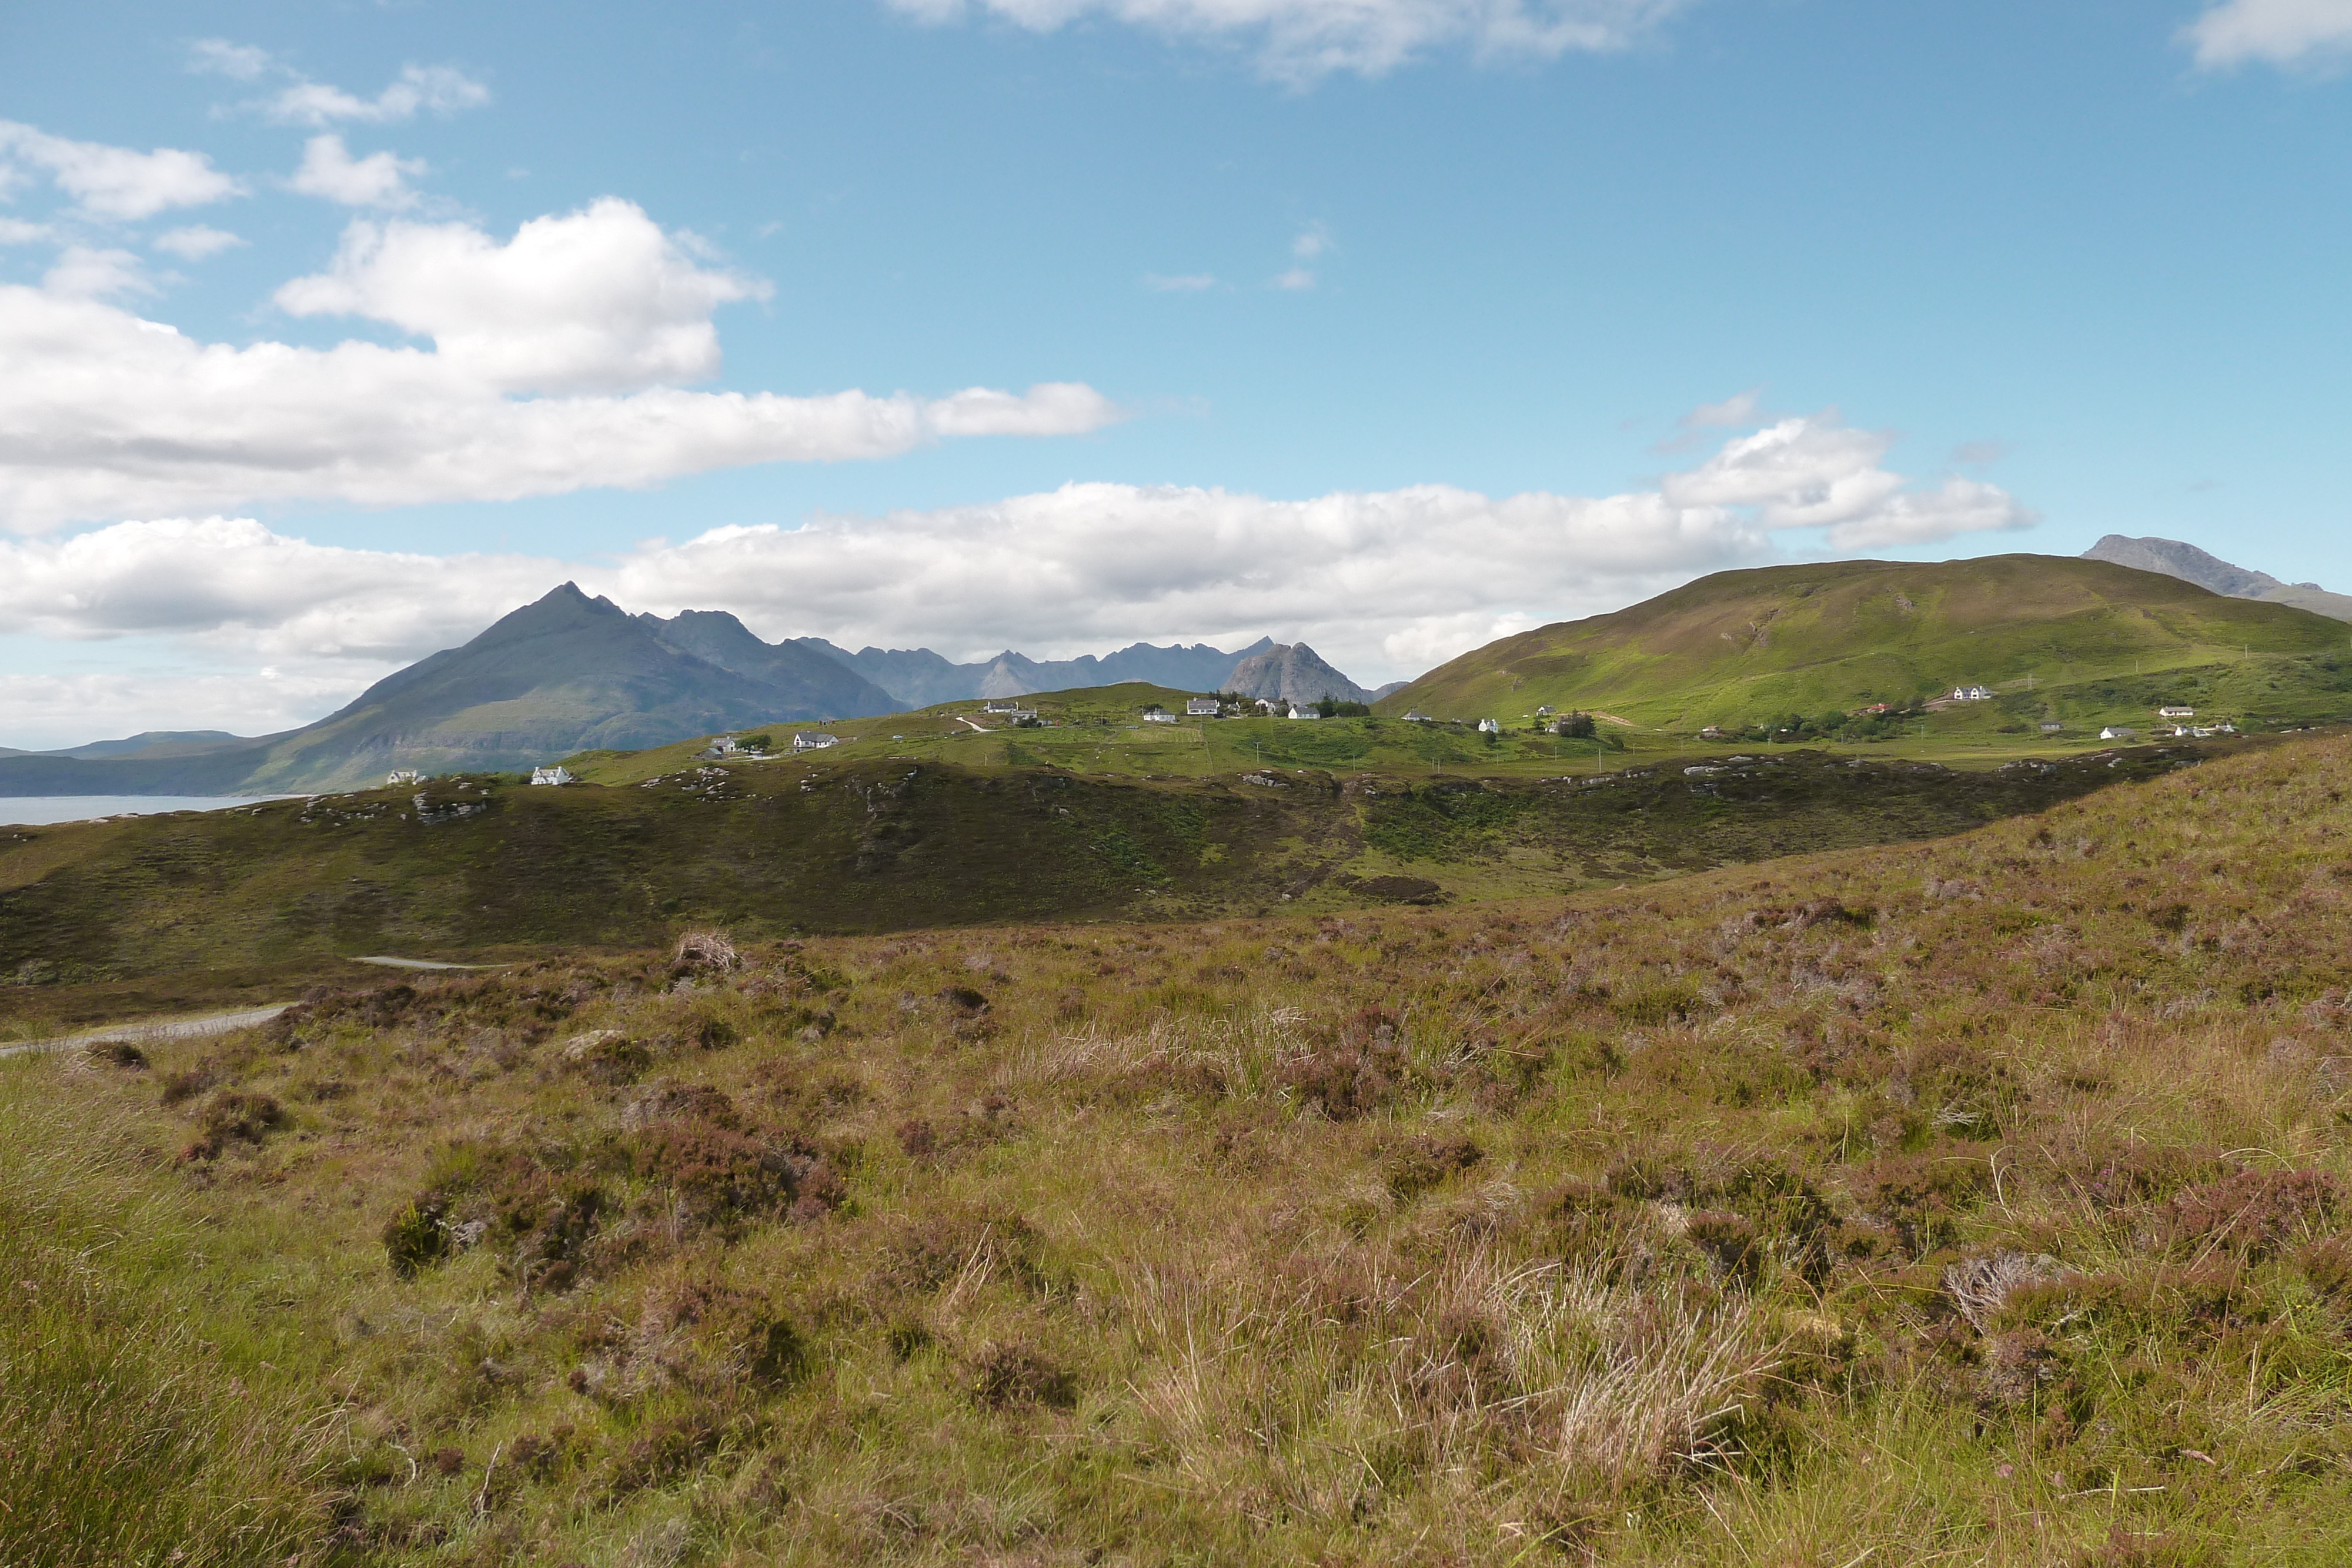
(128, 1432)
(1981, 1200)
(2080, 642)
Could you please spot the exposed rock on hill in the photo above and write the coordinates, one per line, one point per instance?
(1293, 673)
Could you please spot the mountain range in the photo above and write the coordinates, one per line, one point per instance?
(917, 677)
(2189, 564)
(570, 673)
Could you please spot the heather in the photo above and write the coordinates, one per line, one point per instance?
(1984, 1199)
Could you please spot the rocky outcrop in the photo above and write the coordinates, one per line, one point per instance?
(1292, 673)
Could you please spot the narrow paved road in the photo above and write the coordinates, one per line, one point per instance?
(391, 963)
(165, 1029)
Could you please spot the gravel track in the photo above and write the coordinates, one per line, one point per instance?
(160, 1028)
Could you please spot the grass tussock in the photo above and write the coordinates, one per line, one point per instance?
(126, 1437)
(1982, 1201)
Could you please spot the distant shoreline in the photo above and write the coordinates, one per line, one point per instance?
(49, 811)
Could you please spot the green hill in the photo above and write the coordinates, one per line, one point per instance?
(2055, 638)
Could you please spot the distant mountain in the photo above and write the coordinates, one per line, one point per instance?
(813, 685)
(1292, 672)
(563, 675)
(918, 677)
(571, 674)
(157, 743)
(2189, 563)
(1743, 647)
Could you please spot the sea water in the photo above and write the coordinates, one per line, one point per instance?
(34, 810)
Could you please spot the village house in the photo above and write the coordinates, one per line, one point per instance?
(403, 775)
(1489, 726)
(1000, 704)
(2116, 732)
(1544, 710)
(1712, 732)
(2176, 711)
(555, 775)
(813, 740)
(721, 746)
(1201, 708)
(1416, 716)
(1298, 712)
(1158, 715)
(1971, 694)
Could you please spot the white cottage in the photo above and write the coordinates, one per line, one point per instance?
(558, 773)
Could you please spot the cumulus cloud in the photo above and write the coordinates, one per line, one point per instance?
(113, 182)
(105, 414)
(2306, 33)
(1182, 283)
(196, 242)
(17, 231)
(379, 180)
(1384, 583)
(594, 299)
(1304, 40)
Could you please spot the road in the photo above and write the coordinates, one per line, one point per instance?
(165, 1029)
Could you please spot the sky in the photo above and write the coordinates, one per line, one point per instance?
(330, 333)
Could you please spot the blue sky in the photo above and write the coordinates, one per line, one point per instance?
(1964, 280)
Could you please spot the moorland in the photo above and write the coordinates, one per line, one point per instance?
(1981, 1199)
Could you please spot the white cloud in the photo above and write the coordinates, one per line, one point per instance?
(16, 231)
(218, 56)
(378, 179)
(437, 89)
(594, 299)
(1311, 244)
(104, 414)
(115, 182)
(1296, 278)
(2275, 32)
(81, 272)
(1303, 41)
(196, 242)
(1383, 583)
(1820, 473)
(1183, 283)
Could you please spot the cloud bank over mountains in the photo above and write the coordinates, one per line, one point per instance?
(1383, 583)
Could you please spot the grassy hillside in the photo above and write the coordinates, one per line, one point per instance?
(2083, 641)
(1981, 1201)
(155, 912)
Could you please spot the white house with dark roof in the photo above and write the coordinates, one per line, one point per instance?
(813, 740)
(1201, 708)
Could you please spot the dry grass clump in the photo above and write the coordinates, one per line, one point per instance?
(1984, 1199)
